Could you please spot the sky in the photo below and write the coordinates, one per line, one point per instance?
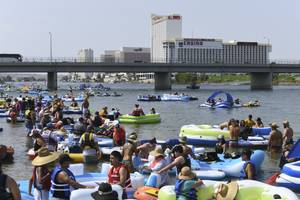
(111, 24)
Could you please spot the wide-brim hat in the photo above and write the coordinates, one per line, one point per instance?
(45, 157)
(98, 195)
(157, 152)
(186, 174)
(132, 138)
(274, 125)
(105, 192)
(286, 122)
(183, 139)
(227, 191)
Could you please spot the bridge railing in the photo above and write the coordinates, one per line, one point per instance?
(100, 60)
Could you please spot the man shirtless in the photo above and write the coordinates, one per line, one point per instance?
(275, 140)
(186, 149)
(287, 133)
(129, 149)
(146, 148)
(234, 131)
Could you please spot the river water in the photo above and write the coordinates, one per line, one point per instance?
(277, 105)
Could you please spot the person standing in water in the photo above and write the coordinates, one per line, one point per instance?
(275, 140)
(287, 133)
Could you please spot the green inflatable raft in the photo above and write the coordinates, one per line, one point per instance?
(202, 130)
(144, 119)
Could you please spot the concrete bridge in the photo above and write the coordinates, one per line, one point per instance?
(261, 74)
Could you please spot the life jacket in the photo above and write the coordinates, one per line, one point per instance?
(46, 184)
(243, 171)
(190, 194)
(114, 175)
(27, 114)
(88, 141)
(187, 162)
(119, 136)
(61, 190)
(4, 194)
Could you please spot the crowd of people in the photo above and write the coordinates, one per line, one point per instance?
(47, 126)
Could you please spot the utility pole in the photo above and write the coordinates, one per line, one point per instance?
(50, 38)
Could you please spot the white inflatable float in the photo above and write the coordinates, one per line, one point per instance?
(248, 190)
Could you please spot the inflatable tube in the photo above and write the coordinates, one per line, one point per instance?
(72, 110)
(210, 174)
(77, 169)
(264, 131)
(173, 97)
(146, 193)
(292, 169)
(144, 119)
(3, 110)
(295, 151)
(149, 98)
(220, 105)
(78, 99)
(207, 135)
(248, 190)
(287, 181)
(231, 167)
(137, 181)
(254, 142)
(202, 130)
(86, 193)
(19, 119)
(104, 142)
(5, 114)
(171, 142)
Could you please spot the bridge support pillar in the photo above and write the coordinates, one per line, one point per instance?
(162, 81)
(261, 81)
(52, 81)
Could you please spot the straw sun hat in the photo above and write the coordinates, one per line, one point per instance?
(286, 122)
(132, 138)
(157, 152)
(274, 125)
(45, 157)
(227, 191)
(183, 139)
(186, 174)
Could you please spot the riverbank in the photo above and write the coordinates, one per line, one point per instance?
(188, 78)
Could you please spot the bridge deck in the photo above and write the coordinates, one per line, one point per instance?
(147, 67)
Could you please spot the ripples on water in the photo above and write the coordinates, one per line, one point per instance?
(277, 105)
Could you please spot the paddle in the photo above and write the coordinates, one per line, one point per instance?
(272, 179)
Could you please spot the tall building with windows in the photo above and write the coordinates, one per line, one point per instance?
(199, 50)
(167, 45)
(163, 28)
(235, 52)
(191, 50)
